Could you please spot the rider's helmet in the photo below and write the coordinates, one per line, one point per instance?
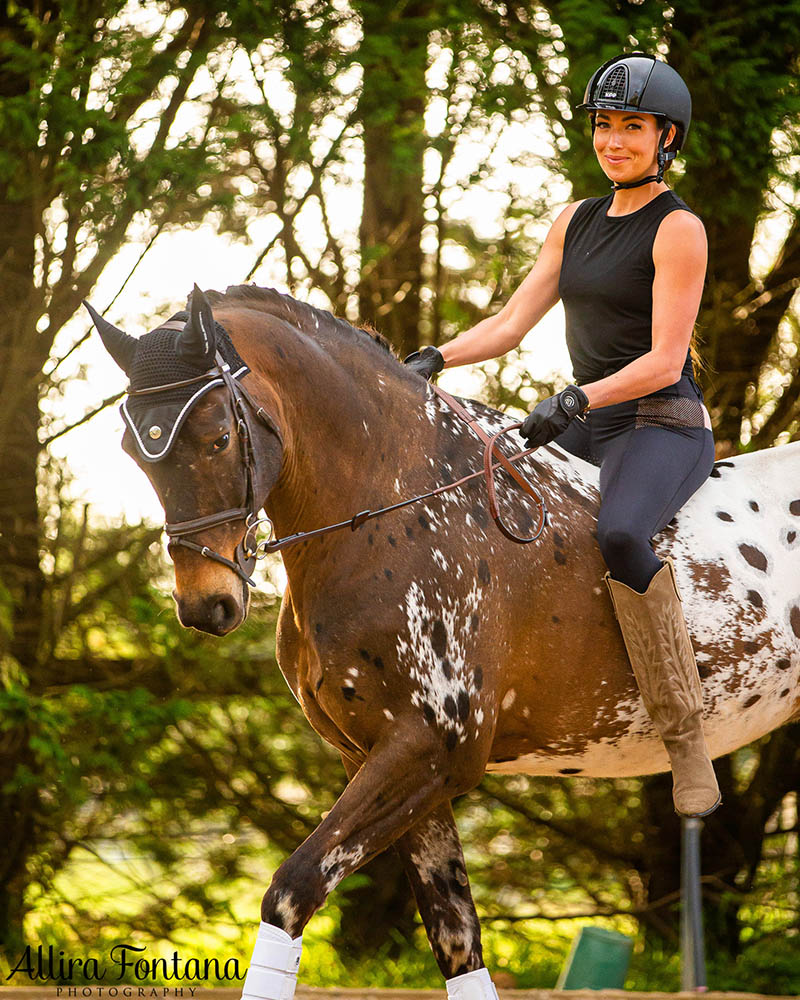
(639, 82)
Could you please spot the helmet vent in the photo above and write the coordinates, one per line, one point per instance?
(615, 84)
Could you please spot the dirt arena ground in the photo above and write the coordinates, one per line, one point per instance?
(309, 993)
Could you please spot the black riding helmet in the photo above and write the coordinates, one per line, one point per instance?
(639, 82)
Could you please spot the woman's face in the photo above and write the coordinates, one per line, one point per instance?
(626, 144)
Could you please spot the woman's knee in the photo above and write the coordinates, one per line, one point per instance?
(619, 541)
(627, 554)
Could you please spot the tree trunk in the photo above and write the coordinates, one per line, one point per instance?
(23, 581)
(21, 578)
(729, 193)
(391, 109)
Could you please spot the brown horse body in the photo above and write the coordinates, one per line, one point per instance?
(425, 646)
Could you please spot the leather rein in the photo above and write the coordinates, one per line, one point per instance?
(249, 550)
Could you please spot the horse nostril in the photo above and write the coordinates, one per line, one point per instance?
(224, 613)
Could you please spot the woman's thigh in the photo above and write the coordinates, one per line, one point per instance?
(647, 475)
(650, 473)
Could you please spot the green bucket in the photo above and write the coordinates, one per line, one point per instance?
(598, 959)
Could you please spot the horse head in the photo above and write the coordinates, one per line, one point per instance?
(209, 451)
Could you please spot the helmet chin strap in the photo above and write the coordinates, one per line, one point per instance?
(664, 156)
(635, 184)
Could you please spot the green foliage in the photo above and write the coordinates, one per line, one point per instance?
(769, 967)
(151, 745)
(154, 778)
(207, 772)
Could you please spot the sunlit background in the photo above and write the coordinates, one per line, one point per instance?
(164, 275)
(149, 278)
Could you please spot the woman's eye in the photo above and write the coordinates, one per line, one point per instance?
(221, 443)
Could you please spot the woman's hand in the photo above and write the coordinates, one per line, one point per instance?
(427, 362)
(552, 416)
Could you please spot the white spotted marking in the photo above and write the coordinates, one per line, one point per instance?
(439, 559)
(440, 680)
(439, 853)
(338, 863)
(286, 910)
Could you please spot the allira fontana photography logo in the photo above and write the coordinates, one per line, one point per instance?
(124, 962)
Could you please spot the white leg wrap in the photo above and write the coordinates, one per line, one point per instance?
(475, 985)
(273, 968)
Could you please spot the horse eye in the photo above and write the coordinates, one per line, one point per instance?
(221, 443)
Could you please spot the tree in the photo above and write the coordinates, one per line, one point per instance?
(94, 145)
(112, 118)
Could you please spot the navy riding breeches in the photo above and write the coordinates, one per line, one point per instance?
(654, 453)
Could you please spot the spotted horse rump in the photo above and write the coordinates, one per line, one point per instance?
(736, 549)
(423, 644)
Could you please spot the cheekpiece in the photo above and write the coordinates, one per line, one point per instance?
(155, 417)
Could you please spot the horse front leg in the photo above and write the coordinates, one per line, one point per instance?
(400, 782)
(433, 859)
(434, 862)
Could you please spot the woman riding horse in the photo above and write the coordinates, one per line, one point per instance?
(629, 268)
(392, 661)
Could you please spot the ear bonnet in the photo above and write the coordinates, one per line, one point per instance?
(153, 413)
(170, 370)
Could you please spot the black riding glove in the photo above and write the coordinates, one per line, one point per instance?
(550, 417)
(427, 362)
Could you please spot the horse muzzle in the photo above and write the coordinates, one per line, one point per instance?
(217, 613)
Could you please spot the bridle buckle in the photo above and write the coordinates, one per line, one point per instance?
(253, 548)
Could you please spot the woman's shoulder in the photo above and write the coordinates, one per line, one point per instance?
(674, 205)
(680, 232)
(573, 209)
(679, 218)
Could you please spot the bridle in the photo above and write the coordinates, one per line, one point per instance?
(249, 550)
(245, 409)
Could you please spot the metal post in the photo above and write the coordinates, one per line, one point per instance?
(693, 959)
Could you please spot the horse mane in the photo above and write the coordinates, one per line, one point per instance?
(297, 313)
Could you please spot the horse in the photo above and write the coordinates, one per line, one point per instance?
(424, 645)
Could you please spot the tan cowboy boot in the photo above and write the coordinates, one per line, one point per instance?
(661, 654)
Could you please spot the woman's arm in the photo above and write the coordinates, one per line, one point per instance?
(538, 293)
(680, 255)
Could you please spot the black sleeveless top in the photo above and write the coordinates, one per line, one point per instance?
(606, 284)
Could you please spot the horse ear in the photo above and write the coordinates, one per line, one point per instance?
(119, 345)
(197, 341)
